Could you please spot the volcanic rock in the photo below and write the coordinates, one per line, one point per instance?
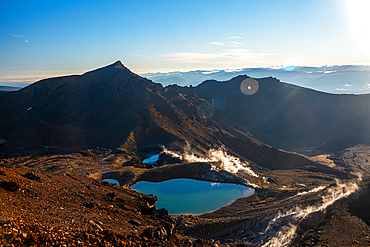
(134, 222)
(55, 216)
(111, 196)
(165, 159)
(89, 205)
(154, 233)
(135, 162)
(9, 185)
(32, 176)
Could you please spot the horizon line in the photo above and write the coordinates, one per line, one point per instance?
(9, 80)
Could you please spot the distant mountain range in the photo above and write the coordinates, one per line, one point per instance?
(348, 79)
(338, 79)
(9, 88)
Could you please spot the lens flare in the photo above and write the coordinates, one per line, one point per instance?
(249, 86)
(205, 110)
(219, 103)
(358, 13)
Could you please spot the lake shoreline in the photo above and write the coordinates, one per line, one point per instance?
(192, 197)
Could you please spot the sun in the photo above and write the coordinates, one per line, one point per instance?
(290, 63)
(358, 11)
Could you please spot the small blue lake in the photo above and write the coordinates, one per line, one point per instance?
(152, 159)
(189, 196)
(112, 181)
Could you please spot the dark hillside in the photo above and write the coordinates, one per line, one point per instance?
(290, 117)
(114, 109)
(109, 107)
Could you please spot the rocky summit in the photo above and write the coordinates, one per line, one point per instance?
(304, 152)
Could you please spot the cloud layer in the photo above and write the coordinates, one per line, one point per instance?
(228, 43)
(225, 56)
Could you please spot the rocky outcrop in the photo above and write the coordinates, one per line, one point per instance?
(32, 176)
(135, 162)
(9, 185)
(155, 233)
(165, 159)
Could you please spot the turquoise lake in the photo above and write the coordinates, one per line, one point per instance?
(189, 196)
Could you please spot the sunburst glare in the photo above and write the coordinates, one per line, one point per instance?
(358, 11)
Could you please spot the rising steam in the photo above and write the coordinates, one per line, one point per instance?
(228, 162)
(311, 191)
(284, 225)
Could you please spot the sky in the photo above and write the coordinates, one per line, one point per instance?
(41, 39)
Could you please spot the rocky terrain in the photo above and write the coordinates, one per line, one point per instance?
(60, 137)
(41, 209)
(48, 209)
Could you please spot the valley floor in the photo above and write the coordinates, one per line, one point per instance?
(49, 200)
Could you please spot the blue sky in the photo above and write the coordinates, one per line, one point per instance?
(41, 39)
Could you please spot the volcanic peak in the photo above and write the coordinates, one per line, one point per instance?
(111, 69)
(118, 65)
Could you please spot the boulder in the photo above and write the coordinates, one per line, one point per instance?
(163, 212)
(111, 196)
(169, 226)
(165, 159)
(152, 201)
(90, 204)
(155, 233)
(311, 220)
(134, 222)
(32, 176)
(135, 162)
(10, 186)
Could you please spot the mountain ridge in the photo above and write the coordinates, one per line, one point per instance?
(288, 116)
(113, 108)
(279, 114)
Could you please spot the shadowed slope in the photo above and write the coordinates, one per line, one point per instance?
(109, 107)
(113, 108)
(290, 117)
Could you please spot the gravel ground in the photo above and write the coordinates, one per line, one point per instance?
(40, 209)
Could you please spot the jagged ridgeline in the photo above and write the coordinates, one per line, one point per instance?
(113, 108)
(109, 107)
